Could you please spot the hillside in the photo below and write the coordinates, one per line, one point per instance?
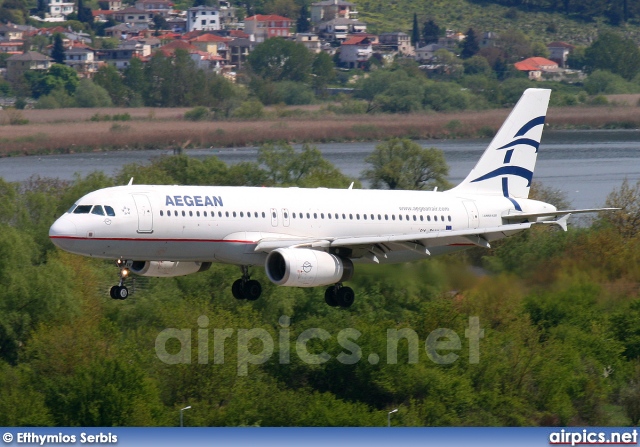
(460, 15)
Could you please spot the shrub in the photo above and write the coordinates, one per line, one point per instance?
(249, 109)
(199, 113)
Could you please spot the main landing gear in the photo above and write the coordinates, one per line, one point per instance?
(246, 288)
(120, 292)
(339, 295)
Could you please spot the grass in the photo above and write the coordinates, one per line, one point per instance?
(48, 136)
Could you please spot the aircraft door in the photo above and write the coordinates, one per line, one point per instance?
(285, 217)
(274, 217)
(472, 213)
(145, 216)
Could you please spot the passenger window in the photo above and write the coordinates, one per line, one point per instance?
(205, 214)
(386, 217)
(329, 215)
(308, 216)
(429, 218)
(161, 213)
(344, 216)
(315, 215)
(449, 218)
(407, 217)
(219, 214)
(351, 216)
(399, 216)
(82, 209)
(358, 216)
(175, 213)
(364, 216)
(421, 218)
(379, 217)
(198, 213)
(414, 218)
(190, 213)
(98, 210)
(373, 217)
(109, 211)
(393, 217)
(241, 214)
(234, 214)
(337, 216)
(263, 215)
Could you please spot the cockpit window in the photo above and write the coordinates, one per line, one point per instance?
(73, 207)
(109, 211)
(82, 209)
(98, 210)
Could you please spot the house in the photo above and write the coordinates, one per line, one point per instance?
(126, 31)
(239, 50)
(262, 27)
(110, 5)
(155, 7)
(18, 64)
(212, 44)
(133, 16)
(228, 15)
(536, 66)
(311, 41)
(170, 48)
(59, 9)
(206, 61)
(488, 40)
(356, 51)
(203, 18)
(10, 33)
(332, 9)
(559, 52)
(339, 29)
(398, 41)
(426, 53)
(121, 57)
(82, 60)
(11, 47)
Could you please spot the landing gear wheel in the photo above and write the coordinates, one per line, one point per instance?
(330, 296)
(252, 290)
(123, 293)
(345, 297)
(119, 292)
(237, 289)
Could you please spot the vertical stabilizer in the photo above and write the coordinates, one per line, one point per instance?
(506, 167)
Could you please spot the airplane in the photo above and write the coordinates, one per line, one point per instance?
(313, 237)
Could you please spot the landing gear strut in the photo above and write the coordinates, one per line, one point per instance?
(120, 292)
(339, 295)
(246, 288)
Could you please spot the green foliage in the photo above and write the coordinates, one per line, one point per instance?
(278, 59)
(608, 83)
(199, 113)
(89, 94)
(612, 52)
(403, 164)
(251, 109)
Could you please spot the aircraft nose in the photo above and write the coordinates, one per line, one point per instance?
(61, 228)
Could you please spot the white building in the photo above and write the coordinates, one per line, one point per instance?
(332, 9)
(59, 9)
(203, 18)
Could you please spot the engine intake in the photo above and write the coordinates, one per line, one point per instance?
(168, 268)
(302, 267)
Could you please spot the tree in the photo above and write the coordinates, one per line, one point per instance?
(84, 13)
(159, 23)
(302, 24)
(109, 78)
(277, 59)
(470, 45)
(89, 94)
(57, 53)
(612, 52)
(404, 164)
(323, 70)
(627, 220)
(415, 31)
(431, 32)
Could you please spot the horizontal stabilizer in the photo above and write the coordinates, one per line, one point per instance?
(519, 216)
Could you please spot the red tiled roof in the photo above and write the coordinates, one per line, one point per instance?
(102, 12)
(268, 18)
(356, 40)
(238, 33)
(178, 45)
(210, 38)
(534, 64)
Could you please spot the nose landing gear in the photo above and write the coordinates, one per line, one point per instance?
(120, 292)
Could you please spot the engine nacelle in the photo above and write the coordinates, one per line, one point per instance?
(168, 268)
(302, 267)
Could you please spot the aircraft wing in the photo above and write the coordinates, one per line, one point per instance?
(419, 242)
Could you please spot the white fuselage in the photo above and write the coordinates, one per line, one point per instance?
(225, 224)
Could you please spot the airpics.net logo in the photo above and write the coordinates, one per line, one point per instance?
(257, 345)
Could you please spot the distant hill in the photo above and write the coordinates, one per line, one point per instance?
(484, 15)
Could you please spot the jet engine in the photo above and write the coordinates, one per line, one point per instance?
(167, 268)
(301, 267)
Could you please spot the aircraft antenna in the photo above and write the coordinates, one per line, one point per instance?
(130, 182)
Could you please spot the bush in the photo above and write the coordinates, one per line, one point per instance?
(90, 95)
(294, 93)
(249, 110)
(199, 113)
(605, 82)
